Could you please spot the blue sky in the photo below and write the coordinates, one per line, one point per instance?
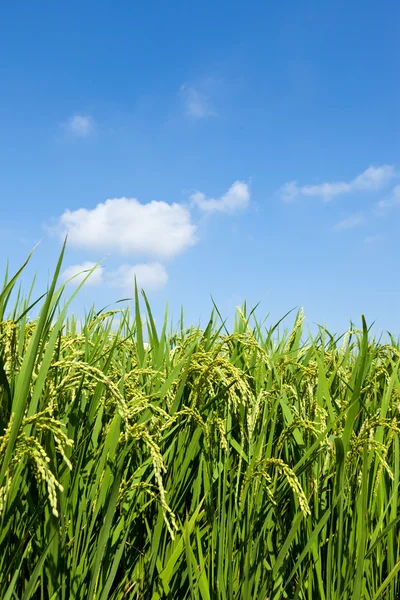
(239, 150)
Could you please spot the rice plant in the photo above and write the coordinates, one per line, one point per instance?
(203, 464)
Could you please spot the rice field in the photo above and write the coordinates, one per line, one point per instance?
(140, 462)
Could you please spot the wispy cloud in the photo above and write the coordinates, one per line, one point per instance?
(236, 198)
(372, 178)
(392, 200)
(373, 239)
(80, 125)
(79, 272)
(350, 222)
(128, 227)
(196, 103)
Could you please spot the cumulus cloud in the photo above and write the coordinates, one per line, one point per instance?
(236, 198)
(79, 272)
(80, 125)
(372, 178)
(350, 222)
(125, 226)
(392, 200)
(196, 103)
(150, 277)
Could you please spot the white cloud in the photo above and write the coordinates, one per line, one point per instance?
(289, 191)
(150, 277)
(350, 222)
(197, 104)
(372, 178)
(81, 271)
(326, 190)
(392, 200)
(126, 226)
(372, 239)
(236, 198)
(80, 125)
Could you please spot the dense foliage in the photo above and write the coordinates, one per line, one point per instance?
(202, 464)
